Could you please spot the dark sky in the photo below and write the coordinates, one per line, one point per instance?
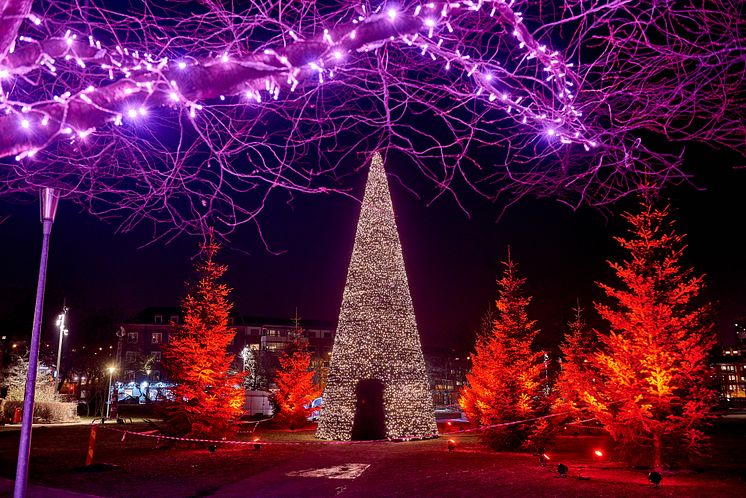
(452, 260)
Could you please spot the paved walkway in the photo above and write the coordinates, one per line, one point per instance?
(6, 489)
(318, 472)
(427, 468)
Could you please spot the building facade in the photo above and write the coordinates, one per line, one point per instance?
(142, 340)
(447, 371)
(730, 369)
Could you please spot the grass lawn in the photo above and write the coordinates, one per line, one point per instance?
(420, 468)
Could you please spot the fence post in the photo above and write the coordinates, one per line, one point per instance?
(91, 444)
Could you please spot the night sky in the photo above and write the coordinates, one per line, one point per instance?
(452, 260)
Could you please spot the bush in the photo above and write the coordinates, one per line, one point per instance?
(45, 411)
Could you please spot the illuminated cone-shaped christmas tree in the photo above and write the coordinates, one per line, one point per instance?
(377, 385)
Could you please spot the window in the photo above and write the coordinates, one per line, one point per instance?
(156, 338)
(130, 357)
(156, 356)
(174, 319)
(158, 319)
(131, 337)
(231, 320)
(155, 375)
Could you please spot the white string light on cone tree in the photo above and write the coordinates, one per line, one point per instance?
(377, 337)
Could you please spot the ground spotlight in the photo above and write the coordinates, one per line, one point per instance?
(599, 453)
(257, 446)
(543, 459)
(655, 478)
(562, 470)
(212, 448)
(451, 445)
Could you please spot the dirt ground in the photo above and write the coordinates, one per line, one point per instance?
(419, 468)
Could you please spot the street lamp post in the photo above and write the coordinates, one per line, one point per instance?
(49, 199)
(63, 332)
(147, 386)
(108, 392)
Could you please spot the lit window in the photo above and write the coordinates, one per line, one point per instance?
(156, 338)
(131, 337)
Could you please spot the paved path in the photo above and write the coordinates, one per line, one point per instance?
(6, 489)
(428, 469)
(309, 473)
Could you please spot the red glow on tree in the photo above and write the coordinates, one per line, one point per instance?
(577, 373)
(504, 382)
(296, 388)
(209, 399)
(653, 388)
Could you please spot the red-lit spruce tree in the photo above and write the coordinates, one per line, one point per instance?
(208, 397)
(504, 383)
(577, 374)
(653, 392)
(296, 388)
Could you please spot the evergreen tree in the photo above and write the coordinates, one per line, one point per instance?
(653, 388)
(295, 383)
(208, 398)
(504, 383)
(577, 373)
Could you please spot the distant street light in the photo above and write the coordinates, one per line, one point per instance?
(49, 199)
(108, 400)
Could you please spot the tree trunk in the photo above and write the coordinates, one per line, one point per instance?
(657, 451)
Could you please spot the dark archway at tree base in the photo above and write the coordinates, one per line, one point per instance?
(370, 418)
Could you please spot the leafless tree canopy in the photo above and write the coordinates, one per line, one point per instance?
(192, 113)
